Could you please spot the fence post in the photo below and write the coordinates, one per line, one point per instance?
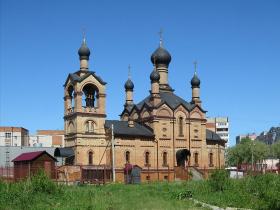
(104, 175)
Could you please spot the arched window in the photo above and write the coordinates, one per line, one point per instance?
(211, 159)
(164, 159)
(127, 157)
(196, 159)
(90, 96)
(90, 158)
(89, 126)
(181, 126)
(147, 159)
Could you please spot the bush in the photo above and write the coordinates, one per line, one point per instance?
(23, 194)
(41, 183)
(181, 195)
(265, 188)
(219, 180)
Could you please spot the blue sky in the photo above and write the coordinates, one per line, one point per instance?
(236, 44)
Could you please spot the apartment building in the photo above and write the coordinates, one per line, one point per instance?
(219, 125)
(13, 136)
(251, 136)
(47, 138)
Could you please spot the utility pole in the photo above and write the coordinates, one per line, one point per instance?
(252, 156)
(113, 154)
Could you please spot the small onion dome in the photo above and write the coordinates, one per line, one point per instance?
(161, 57)
(84, 51)
(195, 82)
(129, 85)
(154, 76)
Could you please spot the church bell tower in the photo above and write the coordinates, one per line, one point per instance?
(84, 112)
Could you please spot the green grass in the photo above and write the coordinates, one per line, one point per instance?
(111, 197)
(261, 192)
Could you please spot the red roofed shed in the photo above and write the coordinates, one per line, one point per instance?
(27, 164)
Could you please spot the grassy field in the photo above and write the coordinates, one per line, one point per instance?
(40, 193)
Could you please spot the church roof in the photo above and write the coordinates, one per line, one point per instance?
(63, 152)
(212, 136)
(76, 78)
(171, 99)
(121, 128)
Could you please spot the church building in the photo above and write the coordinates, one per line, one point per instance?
(162, 134)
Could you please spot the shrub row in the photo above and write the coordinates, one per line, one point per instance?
(263, 190)
(23, 193)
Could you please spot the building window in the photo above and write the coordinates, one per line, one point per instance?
(8, 135)
(196, 159)
(127, 157)
(89, 126)
(90, 158)
(147, 159)
(90, 96)
(181, 126)
(211, 160)
(222, 129)
(164, 159)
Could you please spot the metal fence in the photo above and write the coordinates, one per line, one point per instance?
(7, 172)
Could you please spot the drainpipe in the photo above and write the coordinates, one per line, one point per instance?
(219, 156)
(113, 154)
(173, 147)
(157, 160)
(190, 141)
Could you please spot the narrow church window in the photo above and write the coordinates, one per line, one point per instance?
(90, 158)
(164, 159)
(211, 159)
(181, 126)
(196, 159)
(89, 126)
(127, 157)
(147, 158)
(71, 94)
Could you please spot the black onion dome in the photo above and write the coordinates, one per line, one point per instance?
(161, 56)
(84, 51)
(129, 85)
(154, 76)
(195, 82)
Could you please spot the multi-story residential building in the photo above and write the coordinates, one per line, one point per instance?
(47, 138)
(270, 137)
(13, 136)
(251, 136)
(219, 125)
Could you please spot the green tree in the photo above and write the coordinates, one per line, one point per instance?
(276, 151)
(260, 151)
(234, 155)
(246, 152)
